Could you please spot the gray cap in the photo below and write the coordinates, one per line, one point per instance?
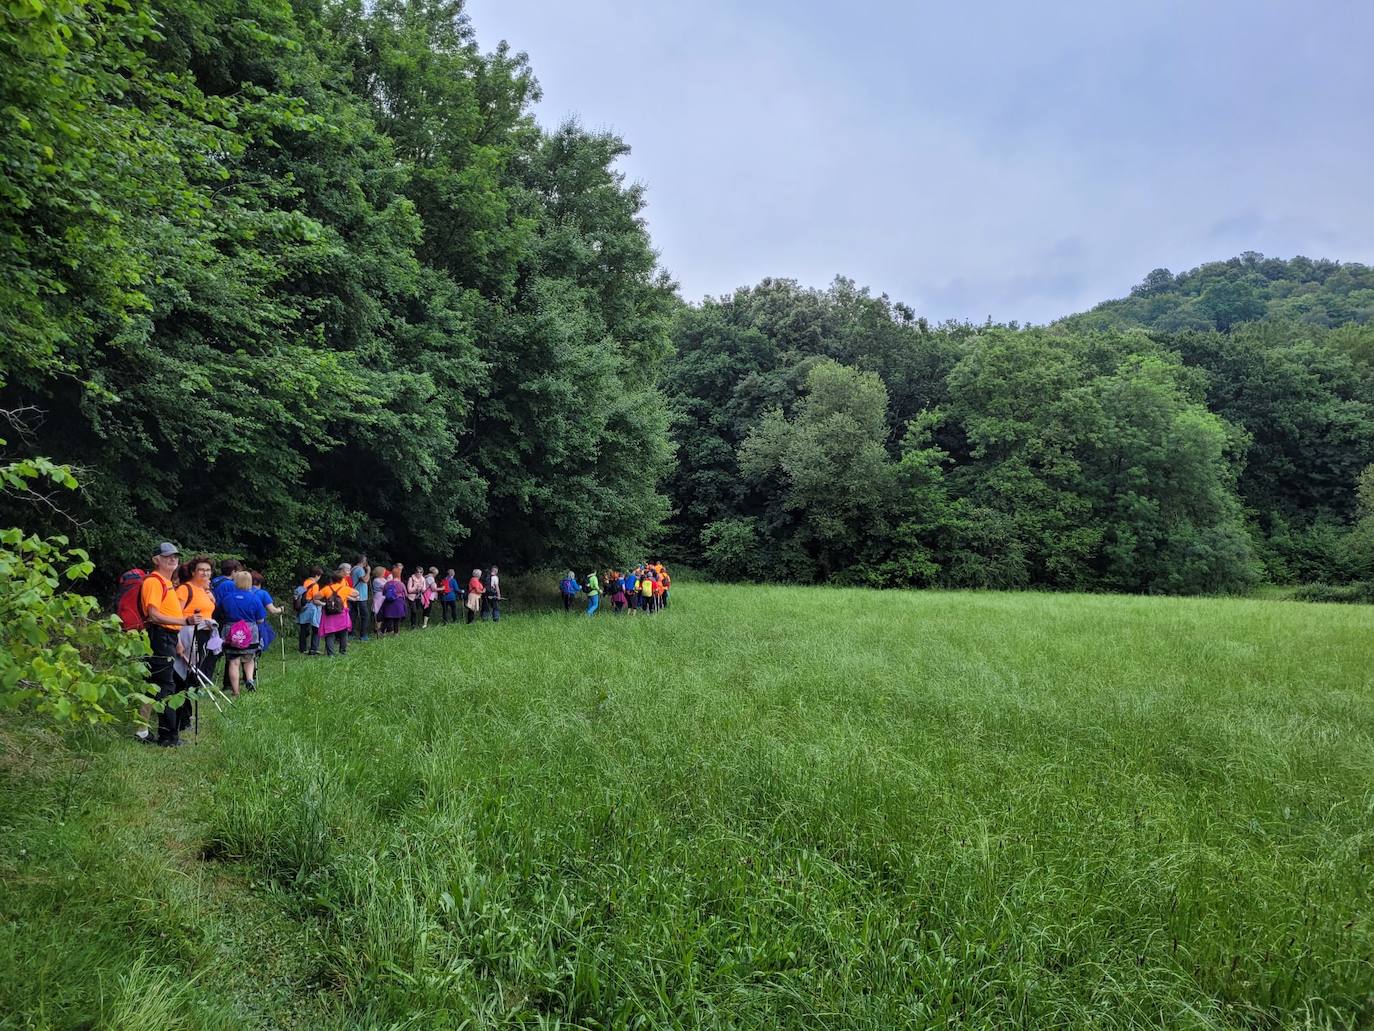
(165, 548)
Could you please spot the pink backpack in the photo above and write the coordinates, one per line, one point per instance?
(243, 634)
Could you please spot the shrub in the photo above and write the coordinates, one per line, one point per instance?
(1359, 593)
(58, 656)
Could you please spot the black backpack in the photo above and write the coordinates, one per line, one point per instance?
(333, 604)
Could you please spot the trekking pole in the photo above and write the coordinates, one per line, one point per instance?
(208, 687)
(281, 636)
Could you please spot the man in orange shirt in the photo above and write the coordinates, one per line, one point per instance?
(163, 617)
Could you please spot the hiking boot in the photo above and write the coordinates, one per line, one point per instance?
(174, 742)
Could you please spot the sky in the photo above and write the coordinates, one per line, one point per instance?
(972, 158)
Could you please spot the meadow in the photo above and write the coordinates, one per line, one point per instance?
(767, 807)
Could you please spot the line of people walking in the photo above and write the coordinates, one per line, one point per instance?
(358, 600)
(193, 618)
(643, 589)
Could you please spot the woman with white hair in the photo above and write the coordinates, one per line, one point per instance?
(475, 592)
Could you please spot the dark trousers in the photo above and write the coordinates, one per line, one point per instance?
(336, 640)
(491, 606)
(361, 614)
(471, 615)
(162, 677)
(567, 602)
(309, 635)
(450, 610)
(414, 614)
(208, 662)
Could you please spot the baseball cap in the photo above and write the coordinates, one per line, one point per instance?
(165, 548)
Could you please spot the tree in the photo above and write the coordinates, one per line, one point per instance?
(825, 475)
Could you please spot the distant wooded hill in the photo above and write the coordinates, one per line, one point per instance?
(1249, 288)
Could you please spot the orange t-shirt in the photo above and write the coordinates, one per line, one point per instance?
(196, 600)
(157, 594)
(343, 590)
(658, 588)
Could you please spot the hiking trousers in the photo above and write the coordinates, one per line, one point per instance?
(309, 637)
(360, 613)
(162, 677)
(338, 639)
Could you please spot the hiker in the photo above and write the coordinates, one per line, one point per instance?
(393, 605)
(475, 592)
(307, 612)
(266, 635)
(633, 587)
(448, 597)
(431, 591)
(593, 589)
(223, 584)
(667, 584)
(335, 616)
(197, 602)
(646, 590)
(163, 619)
(658, 592)
(569, 588)
(617, 585)
(415, 591)
(491, 599)
(243, 612)
(359, 609)
(377, 586)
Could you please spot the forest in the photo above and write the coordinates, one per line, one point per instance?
(293, 280)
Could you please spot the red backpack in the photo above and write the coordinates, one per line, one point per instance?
(128, 599)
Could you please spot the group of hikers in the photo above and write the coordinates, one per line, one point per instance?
(194, 616)
(358, 599)
(643, 589)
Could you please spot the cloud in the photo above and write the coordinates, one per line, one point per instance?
(1004, 159)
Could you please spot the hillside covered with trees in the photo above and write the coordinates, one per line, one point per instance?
(287, 281)
(1249, 288)
(831, 434)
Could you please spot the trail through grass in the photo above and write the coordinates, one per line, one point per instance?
(766, 807)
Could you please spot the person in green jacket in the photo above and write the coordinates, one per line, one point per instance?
(593, 589)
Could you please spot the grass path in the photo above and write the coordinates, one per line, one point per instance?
(768, 807)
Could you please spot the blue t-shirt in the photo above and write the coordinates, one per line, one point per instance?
(243, 605)
(359, 576)
(220, 587)
(262, 596)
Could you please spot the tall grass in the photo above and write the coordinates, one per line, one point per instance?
(777, 807)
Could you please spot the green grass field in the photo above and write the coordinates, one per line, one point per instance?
(767, 807)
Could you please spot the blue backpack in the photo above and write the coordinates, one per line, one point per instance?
(568, 586)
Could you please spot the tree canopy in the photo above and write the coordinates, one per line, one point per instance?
(288, 279)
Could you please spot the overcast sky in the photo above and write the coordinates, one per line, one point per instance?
(970, 157)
